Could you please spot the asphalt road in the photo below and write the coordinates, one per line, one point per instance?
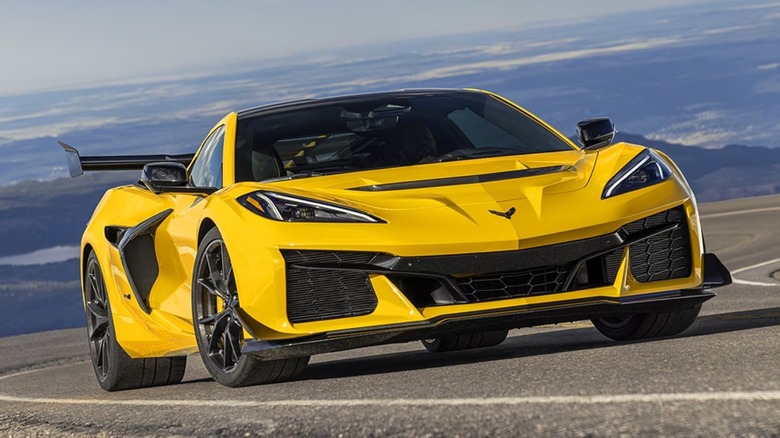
(719, 378)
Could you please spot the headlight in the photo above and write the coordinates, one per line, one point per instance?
(644, 170)
(288, 208)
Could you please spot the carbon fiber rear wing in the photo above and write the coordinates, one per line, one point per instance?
(77, 164)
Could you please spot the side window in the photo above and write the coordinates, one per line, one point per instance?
(206, 171)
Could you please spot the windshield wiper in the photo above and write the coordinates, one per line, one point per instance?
(468, 153)
(293, 176)
(318, 171)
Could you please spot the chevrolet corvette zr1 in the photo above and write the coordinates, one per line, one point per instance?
(445, 216)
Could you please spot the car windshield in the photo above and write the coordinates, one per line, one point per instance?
(384, 130)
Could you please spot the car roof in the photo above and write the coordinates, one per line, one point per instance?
(308, 103)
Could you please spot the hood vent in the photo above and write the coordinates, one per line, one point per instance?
(457, 180)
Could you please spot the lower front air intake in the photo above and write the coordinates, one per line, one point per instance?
(317, 294)
(664, 256)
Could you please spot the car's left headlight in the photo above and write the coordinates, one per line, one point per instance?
(644, 170)
(282, 207)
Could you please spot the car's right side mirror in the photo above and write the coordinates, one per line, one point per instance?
(596, 133)
(165, 174)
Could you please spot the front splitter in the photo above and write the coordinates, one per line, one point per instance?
(474, 322)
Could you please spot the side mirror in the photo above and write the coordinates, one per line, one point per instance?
(596, 133)
(161, 175)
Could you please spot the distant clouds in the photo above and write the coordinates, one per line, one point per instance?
(56, 129)
(55, 45)
(43, 256)
(759, 5)
(503, 64)
(158, 101)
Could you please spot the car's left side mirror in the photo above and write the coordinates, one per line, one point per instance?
(596, 133)
(159, 176)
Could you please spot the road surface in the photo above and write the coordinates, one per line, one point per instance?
(719, 378)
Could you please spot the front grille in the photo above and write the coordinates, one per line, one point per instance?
(315, 294)
(513, 284)
(325, 285)
(664, 256)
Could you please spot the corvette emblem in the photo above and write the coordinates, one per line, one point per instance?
(507, 214)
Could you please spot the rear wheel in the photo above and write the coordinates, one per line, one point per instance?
(646, 325)
(114, 369)
(463, 342)
(219, 328)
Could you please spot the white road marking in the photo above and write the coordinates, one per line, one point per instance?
(403, 402)
(22, 373)
(735, 213)
(757, 265)
(754, 283)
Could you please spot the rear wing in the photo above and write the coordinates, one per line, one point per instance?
(77, 164)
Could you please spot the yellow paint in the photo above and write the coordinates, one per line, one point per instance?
(551, 209)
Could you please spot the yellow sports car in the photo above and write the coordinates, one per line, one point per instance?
(445, 216)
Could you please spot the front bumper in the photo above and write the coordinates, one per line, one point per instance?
(324, 285)
(508, 318)
(315, 292)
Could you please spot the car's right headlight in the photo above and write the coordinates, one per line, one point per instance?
(288, 208)
(646, 169)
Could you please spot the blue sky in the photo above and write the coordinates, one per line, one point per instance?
(48, 45)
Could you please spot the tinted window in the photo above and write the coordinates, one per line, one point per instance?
(367, 132)
(206, 171)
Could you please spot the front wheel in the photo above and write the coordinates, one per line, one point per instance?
(219, 328)
(646, 325)
(114, 369)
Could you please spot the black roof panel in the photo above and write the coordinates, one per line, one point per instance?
(307, 103)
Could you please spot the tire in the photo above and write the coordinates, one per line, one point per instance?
(464, 342)
(114, 369)
(647, 325)
(218, 324)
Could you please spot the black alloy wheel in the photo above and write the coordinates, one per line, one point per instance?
(114, 368)
(98, 321)
(219, 325)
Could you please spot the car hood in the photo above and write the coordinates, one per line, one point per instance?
(446, 217)
(455, 184)
(460, 201)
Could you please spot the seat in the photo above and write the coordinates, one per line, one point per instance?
(266, 164)
(258, 163)
(410, 144)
